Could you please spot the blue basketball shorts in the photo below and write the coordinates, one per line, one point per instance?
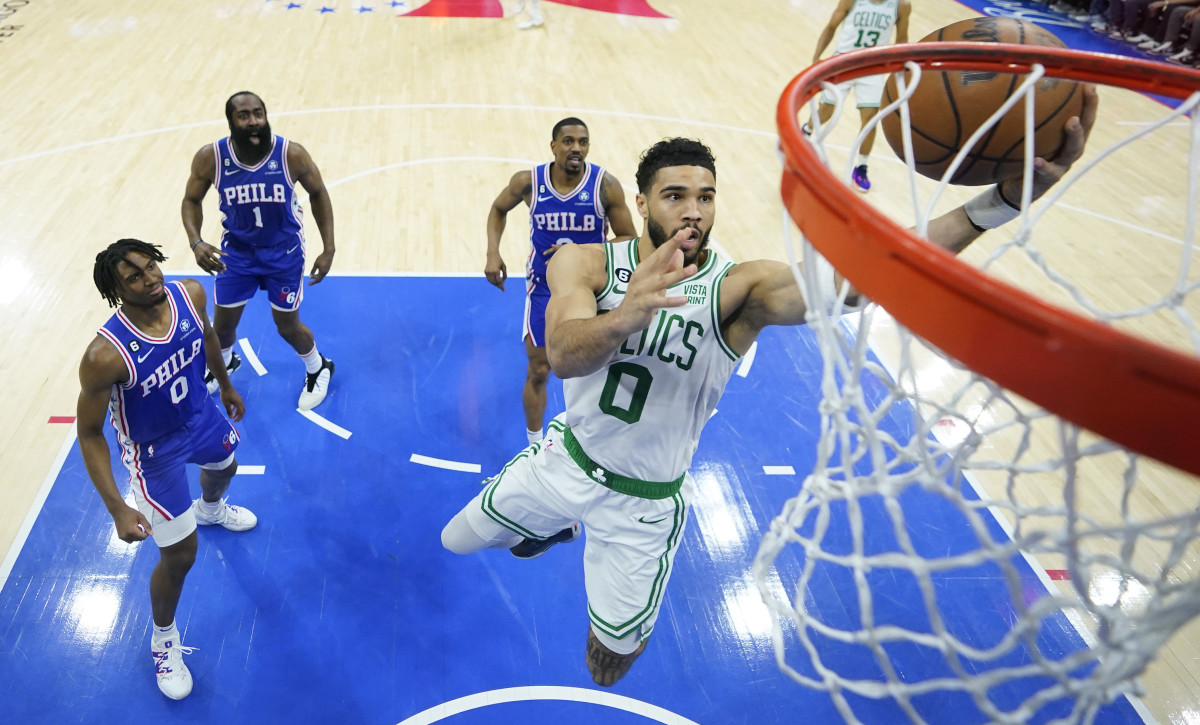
(158, 469)
(537, 296)
(279, 270)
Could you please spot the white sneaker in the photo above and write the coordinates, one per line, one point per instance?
(174, 679)
(1161, 48)
(316, 385)
(234, 518)
(530, 23)
(1182, 57)
(210, 381)
(1138, 39)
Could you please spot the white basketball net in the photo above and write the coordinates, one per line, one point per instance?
(924, 428)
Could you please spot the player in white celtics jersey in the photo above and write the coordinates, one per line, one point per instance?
(645, 333)
(865, 24)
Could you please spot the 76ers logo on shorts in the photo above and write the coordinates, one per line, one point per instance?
(230, 440)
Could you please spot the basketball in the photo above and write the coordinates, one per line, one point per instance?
(950, 106)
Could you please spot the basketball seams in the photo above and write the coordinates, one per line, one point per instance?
(1057, 112)
(945, 113)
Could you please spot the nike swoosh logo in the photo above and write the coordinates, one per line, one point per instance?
(655, 521)
(292, 249)
(545, 198)
(231, 172)
(141, 358)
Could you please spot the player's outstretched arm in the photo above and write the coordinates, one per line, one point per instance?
(231, 400)
(102, 368)
(520, 188)
(579, 341)
(208, 257)
(765, 293)
(309, 176)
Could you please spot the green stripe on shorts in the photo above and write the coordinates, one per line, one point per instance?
(619, 631)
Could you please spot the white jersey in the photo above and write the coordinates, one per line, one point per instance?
(867, 24)
(641, 415)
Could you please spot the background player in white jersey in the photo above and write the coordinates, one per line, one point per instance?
(864, 24)
(573, 202)
(535, 19)
(642, 379)
(262, 245)
(145, 370)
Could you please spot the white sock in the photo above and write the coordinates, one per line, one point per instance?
(312, 360)
(862, 160)
(209, 508)
(533, 435)
(227, 355)
(162, 634)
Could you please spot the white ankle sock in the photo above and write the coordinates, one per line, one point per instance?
(227, 355)
(209, 508)
(162, 634)
(312, 360)
(533, 435)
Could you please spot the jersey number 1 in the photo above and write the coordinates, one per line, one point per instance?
(257, 217)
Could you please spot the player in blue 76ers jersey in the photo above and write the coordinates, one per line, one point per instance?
(145, 371)
(570, 202)
(262, 247)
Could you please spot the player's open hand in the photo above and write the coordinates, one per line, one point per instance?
(647, 290)
(320, 267)
(209, 258)
(495, 271)
(1048, 172)
(131, 525)
(231, 400)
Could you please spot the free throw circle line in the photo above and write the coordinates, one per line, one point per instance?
(480, 700)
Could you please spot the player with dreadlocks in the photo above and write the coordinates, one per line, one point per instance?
(145, 371)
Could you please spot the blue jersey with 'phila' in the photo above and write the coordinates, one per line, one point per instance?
(166, 374)
(575, 217)
(259, 207)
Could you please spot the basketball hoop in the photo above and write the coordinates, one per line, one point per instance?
(1028, 376)
(1045, 354)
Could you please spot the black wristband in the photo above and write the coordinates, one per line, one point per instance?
(195, 243)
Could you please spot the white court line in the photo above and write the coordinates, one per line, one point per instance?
(387, 107)
(35, 508)
(779, 470)
(448, 465)
(747, 360)
(251, 357)
(480, 700)
(333, 428)
(251, 470)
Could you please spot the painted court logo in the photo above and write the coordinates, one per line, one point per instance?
(449, 8)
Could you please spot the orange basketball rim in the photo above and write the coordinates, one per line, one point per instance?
(1133, 392)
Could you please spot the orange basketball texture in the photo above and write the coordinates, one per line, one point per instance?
(950, 106)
